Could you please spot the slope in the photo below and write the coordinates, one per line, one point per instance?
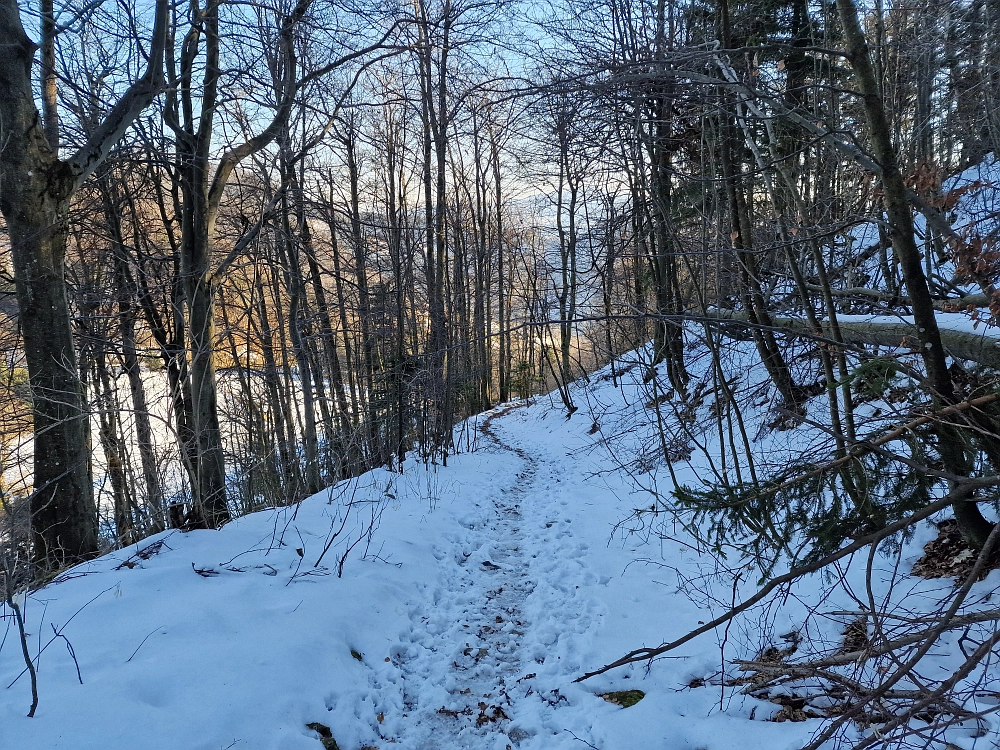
(434, 608)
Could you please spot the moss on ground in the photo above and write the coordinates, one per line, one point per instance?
(624, 698)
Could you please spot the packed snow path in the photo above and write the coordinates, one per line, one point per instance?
(470, 638)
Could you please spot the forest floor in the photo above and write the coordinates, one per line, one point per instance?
(484, 589)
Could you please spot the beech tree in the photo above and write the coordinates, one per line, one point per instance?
(36, 187)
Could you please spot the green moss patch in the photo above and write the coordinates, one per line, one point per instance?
(624, 698)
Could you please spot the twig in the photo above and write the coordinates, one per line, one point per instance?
(29, 666)
(334, 534)
(143, 641)
(932, 637)
(579, 739)
(871, 652)
(963, 671)
(72, 653)
(53, 638)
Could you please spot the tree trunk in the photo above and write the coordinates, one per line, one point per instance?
(63, 512)
(210, 509)
(35, 190)
(108, 408)
(974, 527)
(289, 256)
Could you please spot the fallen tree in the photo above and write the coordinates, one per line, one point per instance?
(975, 346)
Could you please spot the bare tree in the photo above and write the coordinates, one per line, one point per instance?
(36, 188)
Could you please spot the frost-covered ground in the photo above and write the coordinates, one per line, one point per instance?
(484, 590)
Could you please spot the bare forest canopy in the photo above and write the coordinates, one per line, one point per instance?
(253, 249)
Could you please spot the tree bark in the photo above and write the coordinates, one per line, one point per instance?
(35, 192)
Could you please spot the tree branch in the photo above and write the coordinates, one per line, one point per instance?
(138, 96)
(959, 493)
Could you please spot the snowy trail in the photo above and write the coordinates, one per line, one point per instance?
(467, 640)
(478, 643)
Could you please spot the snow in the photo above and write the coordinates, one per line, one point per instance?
(484, 589)
(979, 204)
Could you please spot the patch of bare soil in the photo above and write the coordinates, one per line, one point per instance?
(946, 556)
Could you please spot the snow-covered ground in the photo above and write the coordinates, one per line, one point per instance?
(460, 622)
